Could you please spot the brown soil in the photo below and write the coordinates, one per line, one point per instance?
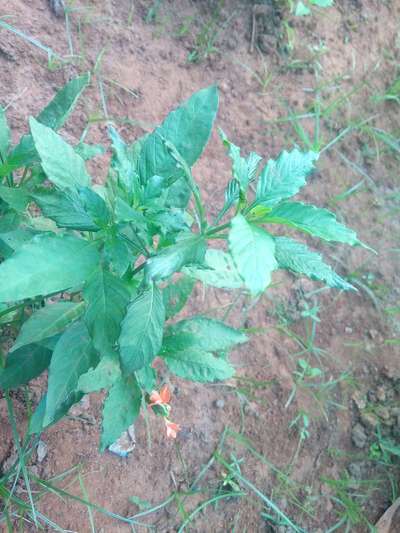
(145, 73)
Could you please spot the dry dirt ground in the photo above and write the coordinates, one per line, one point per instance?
(344, 57)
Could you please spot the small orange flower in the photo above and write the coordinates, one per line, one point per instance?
(172, 429)
(160, 398)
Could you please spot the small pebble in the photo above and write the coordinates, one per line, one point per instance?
(219, 404)
(41, 451)
(348, 330)
(358, 436)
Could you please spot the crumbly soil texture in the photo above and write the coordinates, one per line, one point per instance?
(273, 448)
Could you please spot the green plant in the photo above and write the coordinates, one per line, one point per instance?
(88, 285)
(301, 9)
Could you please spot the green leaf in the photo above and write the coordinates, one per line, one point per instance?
(106, 297)
(67, 208)
(142, 329)
(253, 251)
(117, 254)
(58, 110)
(12, 240)
(61, 164)
(122, 163)
(23, 365)
(316, 221)
(188, 128)
(321, 3)
(199, 366)
(202, 333)
(15, 197)
(232, 195)
(297, 257)
(121, 408)
(106, 373)
(47, 322)
(219, 271)
(47, 264)
(284, 177)
(5, 135)
(72, 357)
(146, 377)
(190, 249)
(175, 295)
(302, 10)
(53, 115)
(243, 170)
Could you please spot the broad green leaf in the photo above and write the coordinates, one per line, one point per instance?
(199, 366)
(58, 110)
(316, 221)
(175, 295)
(23, 365)
(187, 128)
(47, 264)
(72, 357)
(297, 257)
(5, 135)
(15, 197)
(190, 249)
(47, 322)
(168, 221)
(106, 297)
(142, 329)
(106, 373)
(202, 333)
(53, 116)
(66, 208)
(253, 251)
(219, 271)
(243, 170)
(284, 177)
(125, 213)
(36, 425)
(117, 254)
(61, 164)
(121, 408)
(146, 377)
(178, 194)
(12, 240)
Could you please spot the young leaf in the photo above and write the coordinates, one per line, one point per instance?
(219, 271)
(72, 357)
(142, 329)
(253, 251)
(23, 365)
(284, 177)
(123, 165)
(117, 254)
(203, 333)
(58, 110)
(106, 297)
(47, 322)
(232, 195)
(47, 264)
(243, 170)
(302, 10)
(188, 128)
(5, 136)
(175, 295)
(121, 408)
(67, 209)
(316, 221)
(106, 373)
(190, 249)
(61, 164)
(297, 257)
(196, 365)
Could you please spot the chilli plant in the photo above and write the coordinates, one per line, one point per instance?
(88, 277)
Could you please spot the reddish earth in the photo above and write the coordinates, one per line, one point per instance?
(355, 50)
